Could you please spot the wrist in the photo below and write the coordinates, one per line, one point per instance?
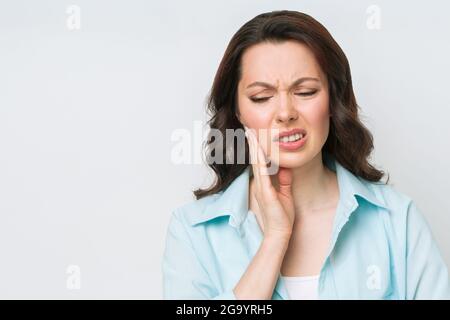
(278, 236)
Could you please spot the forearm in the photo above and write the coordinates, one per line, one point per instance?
(260, 278)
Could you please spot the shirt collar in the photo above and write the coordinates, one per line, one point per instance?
(233, 201)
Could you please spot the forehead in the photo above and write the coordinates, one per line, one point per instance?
(284, 61)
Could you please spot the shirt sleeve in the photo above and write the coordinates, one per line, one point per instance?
(426, 272)
(184, 278)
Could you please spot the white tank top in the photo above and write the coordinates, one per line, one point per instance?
(302, 288)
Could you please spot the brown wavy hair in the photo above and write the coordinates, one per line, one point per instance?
(349, 141)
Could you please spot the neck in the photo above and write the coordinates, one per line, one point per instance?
(314, 186)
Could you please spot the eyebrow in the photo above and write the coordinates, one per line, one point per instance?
(294, 84)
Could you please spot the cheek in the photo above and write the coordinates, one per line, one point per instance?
(317, 118)
(254, 116)
(259, 118)
(316, 114)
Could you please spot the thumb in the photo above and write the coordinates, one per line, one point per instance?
(285, 181)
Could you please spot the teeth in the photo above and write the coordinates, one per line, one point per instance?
(291, 138)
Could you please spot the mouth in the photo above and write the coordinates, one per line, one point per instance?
(291, 140)
(290, 136)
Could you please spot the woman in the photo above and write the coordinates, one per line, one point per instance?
(319, 226)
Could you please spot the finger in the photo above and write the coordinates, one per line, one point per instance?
(285, 181)
(264, 177)
(265, 181)
(253, 157)
(260, 155)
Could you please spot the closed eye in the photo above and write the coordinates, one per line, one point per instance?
(306, 94)
(303, 94)
(259, 100)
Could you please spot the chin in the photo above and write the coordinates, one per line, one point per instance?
(292, 160)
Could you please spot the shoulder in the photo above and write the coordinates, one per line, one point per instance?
(189, 212)
(393, 198)
(402, 208)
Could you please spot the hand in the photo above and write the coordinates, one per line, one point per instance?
(277, 207)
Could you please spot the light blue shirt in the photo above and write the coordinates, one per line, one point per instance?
(381, 246)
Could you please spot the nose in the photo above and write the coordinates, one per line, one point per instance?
(286, 111)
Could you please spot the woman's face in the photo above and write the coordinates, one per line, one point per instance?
(270, 72)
